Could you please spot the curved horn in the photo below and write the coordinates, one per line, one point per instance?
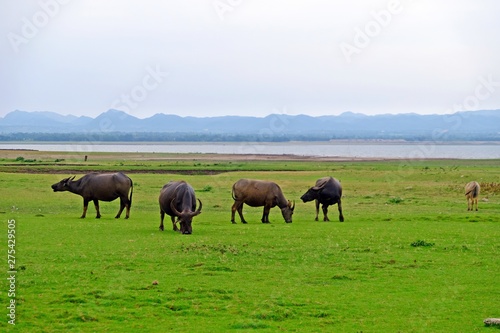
(292, 207)
(69, 179)
(65, 180)
(198, 211)
(172, 206)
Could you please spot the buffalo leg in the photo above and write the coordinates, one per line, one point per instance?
(162, 216)
(96, 204)
(265, 215)
(317, 209)
(85, 206)
(325, 212)
(341, 217)
(240, 213)
(233, 211)
(174, 224)
(127, 206)
(237, 206)
(122, 206)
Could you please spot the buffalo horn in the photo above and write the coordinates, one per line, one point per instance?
(198, 211)
(172, 206)
(67, 180)
(176, 212)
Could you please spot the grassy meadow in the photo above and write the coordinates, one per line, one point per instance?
(408, 258)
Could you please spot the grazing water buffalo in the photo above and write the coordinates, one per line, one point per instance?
(472, 193)
(327, 191)
(100, 186)
(256, 193)
(177, 199)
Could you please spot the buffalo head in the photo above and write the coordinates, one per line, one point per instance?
(63, 185)
(311, 194)
(287, 211)
(185, 218)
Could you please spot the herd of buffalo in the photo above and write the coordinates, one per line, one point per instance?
(178, 200)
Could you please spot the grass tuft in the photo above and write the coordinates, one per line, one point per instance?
(396, 200)
(423, 243)
(250, 325)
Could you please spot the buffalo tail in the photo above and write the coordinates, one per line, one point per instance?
(131, 192)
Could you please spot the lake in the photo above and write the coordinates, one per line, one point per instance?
(353, 150)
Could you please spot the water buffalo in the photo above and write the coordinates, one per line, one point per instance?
(100, 186)
(471, 194)
(327, 191)
(256, 193)
(177, 199)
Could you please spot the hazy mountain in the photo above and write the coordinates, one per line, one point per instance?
(115, 121)
(39, 121)
(462, 125)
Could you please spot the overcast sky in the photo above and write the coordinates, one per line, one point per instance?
(249, 57)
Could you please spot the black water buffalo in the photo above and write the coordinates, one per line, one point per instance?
(177, 199)
(327, 191)
(100, 186)
(257, 193)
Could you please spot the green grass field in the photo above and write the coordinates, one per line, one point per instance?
(408, 258)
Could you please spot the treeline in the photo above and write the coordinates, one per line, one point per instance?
(242, 137)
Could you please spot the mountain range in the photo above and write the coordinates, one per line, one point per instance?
(482, 124)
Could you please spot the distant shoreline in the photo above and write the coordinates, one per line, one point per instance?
(333, 150)
(301, 142)
(209, 157)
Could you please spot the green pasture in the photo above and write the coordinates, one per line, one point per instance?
(408, 258)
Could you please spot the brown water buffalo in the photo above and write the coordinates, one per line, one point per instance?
(177, 199)
(100, 186)
(257, 193)
(326, 192)
(472, 194)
